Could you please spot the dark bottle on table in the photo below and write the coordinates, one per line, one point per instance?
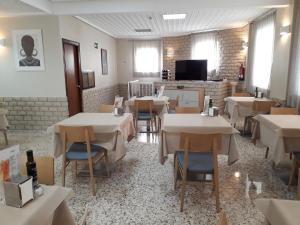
(256, 92)
(210, 105)
(31, 168)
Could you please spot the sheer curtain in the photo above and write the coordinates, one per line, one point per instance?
(147, 58)
(260, 55)
(205, 46)
(293, 98)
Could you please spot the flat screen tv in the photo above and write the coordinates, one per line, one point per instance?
(191, 70)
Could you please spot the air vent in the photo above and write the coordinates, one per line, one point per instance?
(142, 30)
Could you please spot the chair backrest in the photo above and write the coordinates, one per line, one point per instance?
(77, 133)
(143, 105)
(106, 108)
(262, 106)
(173, 103)
(284, 111)
(201, 99)
(241, 94)
(133, 88)
(187, 110)
(45, 168)
(222, 218)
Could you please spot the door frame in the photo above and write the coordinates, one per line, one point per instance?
(80, 79)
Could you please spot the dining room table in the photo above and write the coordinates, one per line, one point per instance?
(279, 211)
(241, 107)
(281, 133)
(51, 208)
(160, 104)
(174, 124)
(111, 131)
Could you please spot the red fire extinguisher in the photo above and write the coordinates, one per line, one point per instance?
(242, 72)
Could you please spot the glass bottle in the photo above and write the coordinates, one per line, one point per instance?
(31, 168)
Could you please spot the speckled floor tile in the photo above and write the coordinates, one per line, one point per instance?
(140, 190)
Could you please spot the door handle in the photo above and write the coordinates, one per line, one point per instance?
(78, 86)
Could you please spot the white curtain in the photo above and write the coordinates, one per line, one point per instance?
(205, 46)
(147, 58)
(261, 53)
(294, 79)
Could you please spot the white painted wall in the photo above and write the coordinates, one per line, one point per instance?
(280, 67)
(48, 83)
(73, 29)
(125, 62)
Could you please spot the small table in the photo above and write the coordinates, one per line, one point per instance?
(160, 104)
(111, 131)
(50, 208)
(4, 123)
(238, 107)
(279, 212)
(281, 133)
(174, 124)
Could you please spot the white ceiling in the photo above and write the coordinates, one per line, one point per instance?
(119, 18)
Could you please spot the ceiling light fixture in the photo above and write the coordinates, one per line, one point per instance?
(174, 16)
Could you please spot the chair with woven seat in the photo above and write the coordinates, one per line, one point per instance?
(144, 112)
(187, 110)
(77, 146)
(104, 108)
(284, 111)
(198, 155)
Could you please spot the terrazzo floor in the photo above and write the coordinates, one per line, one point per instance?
(140, 190)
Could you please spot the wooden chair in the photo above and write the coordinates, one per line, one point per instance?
(45, 168)
(259, 107)
(241, 94)
(201, 99)
(295, 165)
(81, 149)
(187, 110)
(144, 112)
(199, 156)
(106, 108)
(284, 111)
(173, 103)
(222, 218)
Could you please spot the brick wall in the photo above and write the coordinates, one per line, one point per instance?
(34, 113)
(231, 51)
(92, 98)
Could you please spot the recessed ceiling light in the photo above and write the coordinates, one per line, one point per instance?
(174, 16)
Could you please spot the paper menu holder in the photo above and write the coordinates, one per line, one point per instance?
(18, 191)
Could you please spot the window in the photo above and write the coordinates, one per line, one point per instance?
(147, 58)
(205, 46)
(263, 51)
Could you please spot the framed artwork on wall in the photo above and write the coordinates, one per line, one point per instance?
(104, 61)
(88, 79)
(28, 50)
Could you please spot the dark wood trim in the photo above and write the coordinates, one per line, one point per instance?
(77, 44)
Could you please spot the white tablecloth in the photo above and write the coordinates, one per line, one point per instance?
(50, 208)
(240, 107)
(160, 104)
(111, 131)
(281, 133)
(279, 212)
(3, 121)
(174, 124)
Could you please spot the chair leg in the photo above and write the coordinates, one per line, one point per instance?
(245, 125)
(64, 172)
(92, 179)
(216, 178)
(175, 172)
(267, 153)
(292, 174)
(106, 164)
(76, 164)
(182, 192)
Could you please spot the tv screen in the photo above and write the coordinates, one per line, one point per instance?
(191, 70)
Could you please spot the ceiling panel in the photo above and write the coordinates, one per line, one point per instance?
(123, 25)
(16, 8)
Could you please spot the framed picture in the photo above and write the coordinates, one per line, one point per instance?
(88, 79)
(28, 50)
(104, 61)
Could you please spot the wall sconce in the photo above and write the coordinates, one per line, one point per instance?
(2, 42)
(245, 44)
(284, 30)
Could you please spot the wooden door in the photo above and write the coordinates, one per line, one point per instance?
(71, 51)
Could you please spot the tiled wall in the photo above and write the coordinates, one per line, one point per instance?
(232, 52)
(34, 113)
(92, 98)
